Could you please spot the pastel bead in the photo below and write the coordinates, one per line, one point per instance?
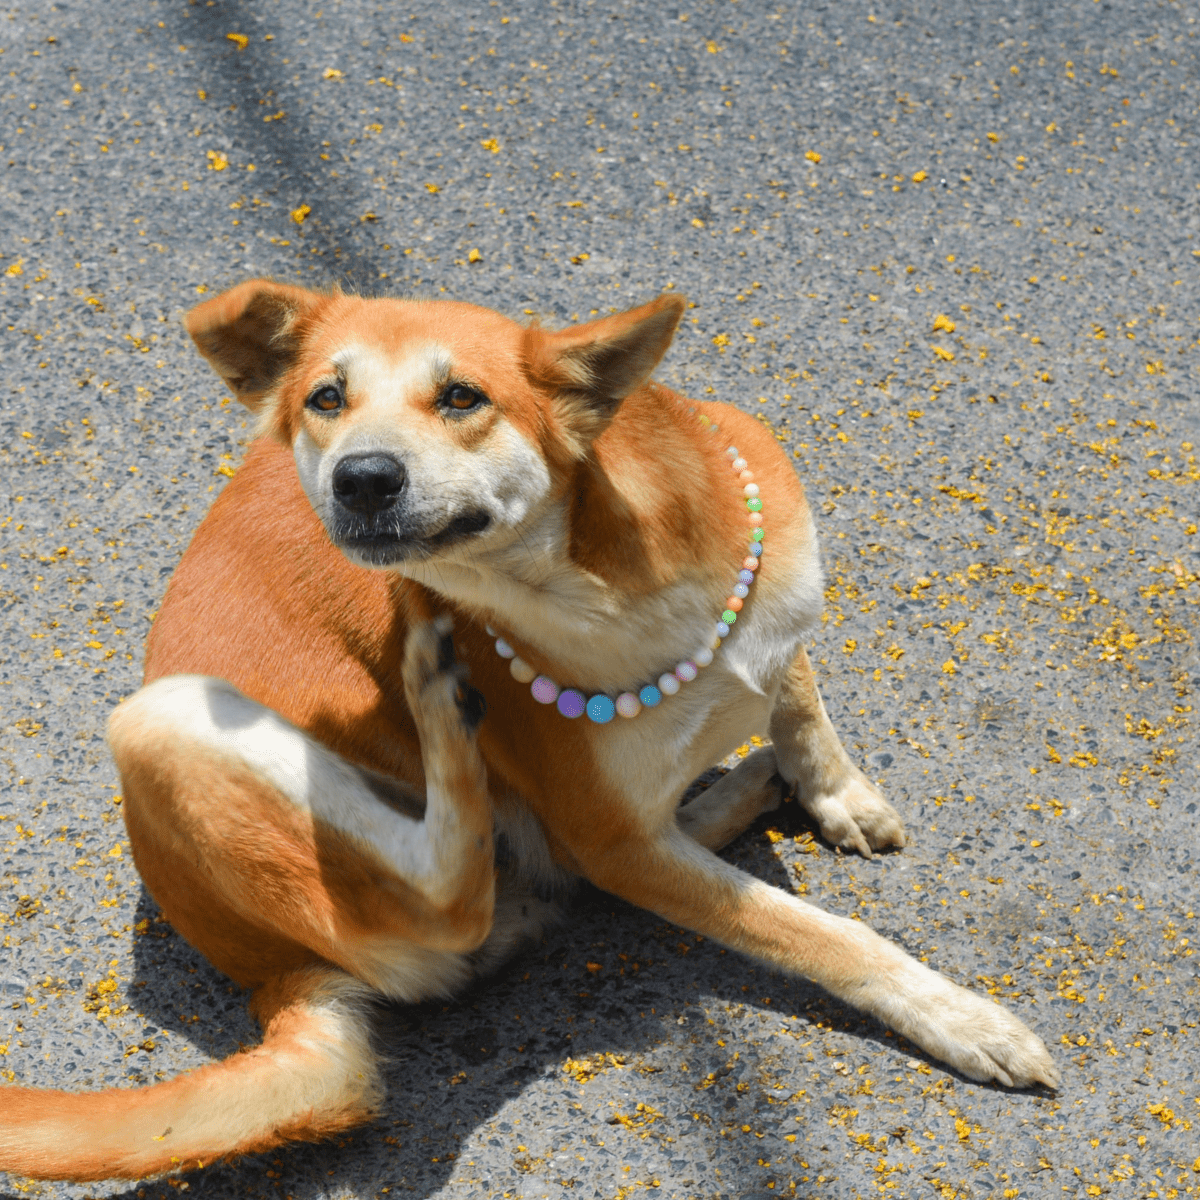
(571, 703)
(490, 631)
(713, 427)
(745, 477)
(728, 617)
(740, 591)
(601, 709)
(731, 453)
(649, 695)
(757, 535)
(686, 672)
(702, 657)
(521, 671)
(544, 689)
(733, 604)
(668, 684)
(739, 464)
(750, 563)
(756, 549)
(746, 574)
(723, 627)
(751, 489)
(504, 649)
(754, 504)
(754, 519)
(628, 705)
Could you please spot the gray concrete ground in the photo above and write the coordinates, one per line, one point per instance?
(949, 252)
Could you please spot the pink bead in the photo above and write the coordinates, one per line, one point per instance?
(545, 691)
(686, 672)
(754, 519)
(628, 705)
(739, 464)
(750, 563)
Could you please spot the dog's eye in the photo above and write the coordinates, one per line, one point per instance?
(461, 398)
(326, 400)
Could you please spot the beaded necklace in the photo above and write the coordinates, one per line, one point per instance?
(601, 708)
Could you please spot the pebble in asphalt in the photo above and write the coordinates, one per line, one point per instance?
(948, 252)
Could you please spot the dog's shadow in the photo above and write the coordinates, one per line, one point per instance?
(612, 981)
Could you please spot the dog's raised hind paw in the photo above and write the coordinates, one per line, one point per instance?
(433, 676)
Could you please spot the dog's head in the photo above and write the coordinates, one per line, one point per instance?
(423, 428)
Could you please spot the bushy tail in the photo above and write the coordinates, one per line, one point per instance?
(313, 1075)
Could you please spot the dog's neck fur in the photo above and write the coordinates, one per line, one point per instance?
(622, 572)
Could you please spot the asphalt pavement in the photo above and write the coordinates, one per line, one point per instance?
(949, 252)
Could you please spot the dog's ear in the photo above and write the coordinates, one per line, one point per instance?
(593, 367)
(249, 334)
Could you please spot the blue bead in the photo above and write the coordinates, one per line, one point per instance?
(756, 549)
(722, 629)
(601, 709)
(649, 695)
(741, 590)
(746, 577)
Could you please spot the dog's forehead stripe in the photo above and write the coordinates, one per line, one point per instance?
(383, 378)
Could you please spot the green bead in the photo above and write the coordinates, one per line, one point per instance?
(729, 616)
(754, 504)
(756, 535)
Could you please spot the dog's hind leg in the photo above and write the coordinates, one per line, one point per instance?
(283, 864)
(267, 850)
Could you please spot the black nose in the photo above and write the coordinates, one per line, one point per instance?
(368, 483)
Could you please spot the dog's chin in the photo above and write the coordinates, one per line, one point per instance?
(381, 548)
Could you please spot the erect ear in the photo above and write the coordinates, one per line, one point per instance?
(595, 366)
(249, 334)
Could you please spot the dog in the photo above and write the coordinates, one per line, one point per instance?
(313, 794)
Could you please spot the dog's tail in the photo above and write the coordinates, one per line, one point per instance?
(314, 1074)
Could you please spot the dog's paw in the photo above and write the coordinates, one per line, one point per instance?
(433, 677)
(856, 817)
(975, 1036)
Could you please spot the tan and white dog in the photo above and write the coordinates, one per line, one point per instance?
(311, 794)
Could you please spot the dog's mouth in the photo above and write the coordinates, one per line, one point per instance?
(379, 542)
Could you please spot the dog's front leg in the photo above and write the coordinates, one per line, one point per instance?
(672, 875)
(735, 801)
(846, 806)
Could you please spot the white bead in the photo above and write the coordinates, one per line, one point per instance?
(702, 657)
(751, 489)
(628, 705)
(668, 684)
(741, 590)
(504, 649)
(732, 452)
(739, 464)
(490, 631)
(521, 671)
(685, 672)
